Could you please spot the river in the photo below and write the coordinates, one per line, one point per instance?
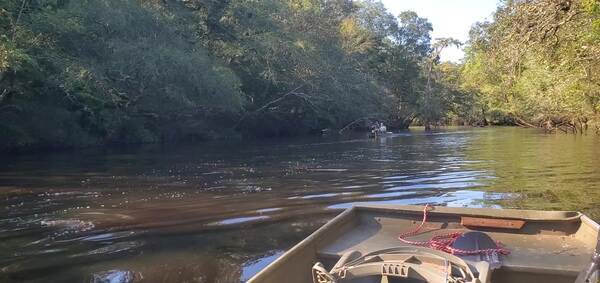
(218, 212)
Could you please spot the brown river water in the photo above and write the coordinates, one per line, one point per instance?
(219, 212)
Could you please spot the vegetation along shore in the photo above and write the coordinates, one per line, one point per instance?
(94, 72)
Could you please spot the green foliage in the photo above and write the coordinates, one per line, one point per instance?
(327, 69)
(109, 71)
(414, 33)
(11, 57)
(89, 72)
(537, 63)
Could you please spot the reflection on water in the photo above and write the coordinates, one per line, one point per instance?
(220, 213)
(252, 267)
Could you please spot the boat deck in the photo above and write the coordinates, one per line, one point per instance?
(559, 251)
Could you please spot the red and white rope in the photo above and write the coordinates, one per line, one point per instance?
(444, 242)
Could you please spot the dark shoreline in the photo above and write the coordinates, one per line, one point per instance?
(221, 141)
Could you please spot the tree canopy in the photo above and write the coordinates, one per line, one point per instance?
(100, 71)
(536, 63)
(87, 72)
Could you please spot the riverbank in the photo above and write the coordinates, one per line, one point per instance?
(230, 138)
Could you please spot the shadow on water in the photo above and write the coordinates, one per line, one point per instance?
(221, 212)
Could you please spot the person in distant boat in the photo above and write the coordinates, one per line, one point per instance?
(375, 129)
(382, 128)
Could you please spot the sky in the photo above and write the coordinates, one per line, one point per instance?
(450, 18)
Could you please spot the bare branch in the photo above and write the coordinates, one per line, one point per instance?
(16, 23)
(354, 122)
(3, 95)
(290, 93)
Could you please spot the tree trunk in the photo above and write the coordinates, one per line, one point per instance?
(485, 121)
(522, 122)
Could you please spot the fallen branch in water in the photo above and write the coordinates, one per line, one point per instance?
(522, 123)
(353, 122)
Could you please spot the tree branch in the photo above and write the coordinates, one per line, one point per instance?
(272, 102)
(16, 23)
(354, 122)
(522, 122)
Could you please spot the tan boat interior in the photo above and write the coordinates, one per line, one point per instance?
(549, 247)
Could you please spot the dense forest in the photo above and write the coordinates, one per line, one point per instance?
(538, 63)
(90, 72)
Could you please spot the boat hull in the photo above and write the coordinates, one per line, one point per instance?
(549, 247)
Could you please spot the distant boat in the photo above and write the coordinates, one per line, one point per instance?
(373, 244)
(380, 135)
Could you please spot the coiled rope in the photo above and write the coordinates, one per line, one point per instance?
(444, 242)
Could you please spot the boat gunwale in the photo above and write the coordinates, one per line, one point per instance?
(590, 222)
(339, 219)
(520, 214)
